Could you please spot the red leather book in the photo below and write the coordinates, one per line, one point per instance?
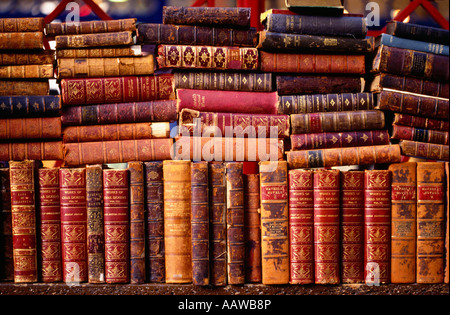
(377, 226)
(352, 226)
(317, 84)
(326, 226)
(117, 89)
(228, 101)
(419, 134)
(43, 128)
(301, 226)
(50, 224)
(430, 151)
(117, 225)
(420, 122)
(72, 182)
(6, 239)
(446, 271)
(23, 215)
(36, 150)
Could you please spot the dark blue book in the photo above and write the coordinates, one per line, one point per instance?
(30, 106)
(398, 42)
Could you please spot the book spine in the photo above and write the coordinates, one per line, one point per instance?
(301, 226)
(43, 128)
(12, 25)
(200, 223)
(28, 106)
(94, 40)
(153, 111)
(38, 150)
(95, 224)
(274, 222)
(424, 150)
(177, 221)
(21, 41)
(377, 225)
(218, 223)
(23, 215)
(291, 85)
(154, 208)
(418, 32)
(380, 154)
(352, 226)
(404, 43)
(419, 134)
(403, 222)
(50, 225)
(102, 52)
(420, 122)
(30, 87)
(6, 239)
(312, 63)
(207, 57)
(120, 151)
(27, 72)
(430, 222)
(30, 58)
(326, 226)
(73, 202)
(327, 140)
(89, 27)
(447, 262)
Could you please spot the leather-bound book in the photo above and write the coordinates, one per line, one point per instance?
(30, 106)
(154, 217)
(21, 41)
(228, 101)
(327, 226)
(28, 24)
(317, 84)
(116, 199)
(446, 271)
(352, 226)
(29, 87)
(235, 223)
(88, 27)
(421, 122)
(424, 150)
(27, 72)
(73, 201)
(274, 222)
(411, 44)
(100, 52)
(137, 222)
(403, 222)
(419, 134)
(377, 226)
(6, 239)
(37, 150)
(207, 57)
(50, 224)
(301, 226)
(177, 221)
(418, 32)
(200, 223)
(218, 223)
(42, 128)
(23, 215)
(431, 200)
(27, 58)
(85, 91)
(94, 40)
(95, 224)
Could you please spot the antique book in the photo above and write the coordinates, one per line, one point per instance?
(332, 7)
(326, 226)
(94, 40)
(152, 111)
(177, 221)
(30, 106)
(6, 239)
(379, 154)
(424, 150)
(39, 57)
(312, 63)
(120, 151)
(431, 200)
(225, 81)
(29, 87)
(207, 16)
(408, 62)
(200, 223)
(377, 226)
(73, 201)
(156, 34)
(218, 223)
(207, 57)
(130, 131)
(446, 271)
(154, 218)
(23, 218)
(413, 44)
(21, 41)
(301, 226)
(228, 101)
(36, 150)
(87, 27)
(235, 231)
(418, 32)
(95, 224)
(241, 125)
(85, 91)
(419, 134)
(403, 222)
(327, 140)
(420, 122)
(44, 128)
(26, 24)
(352, 226)
(317, 84)
(99, 52)
(27, 72)
(50, 224)
(116, 208)
(137, 222)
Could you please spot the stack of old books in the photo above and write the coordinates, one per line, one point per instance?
(410, 79)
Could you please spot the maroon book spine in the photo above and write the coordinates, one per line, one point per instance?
(421, 122)
(6, 238)
(418, 134)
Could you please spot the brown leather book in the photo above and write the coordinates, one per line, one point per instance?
(431, 182)
(200, 223)
(403, 222)
(94, 40)
(87, 27)
(21, 41)
(421, 122)
(424, 150)
(24, 87)
(326, 226)
(38, 150)
(99, 52)
(177, 221)
(301, 226)
(317, 84)
(419, 134)
(446, 271)
(41, 57)
(50, 224)
(377, 226)
(28, 24)
(6, 239)
(42, 128)
(137, 222)
(27, 72)
(23, 215)
(274, 222)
